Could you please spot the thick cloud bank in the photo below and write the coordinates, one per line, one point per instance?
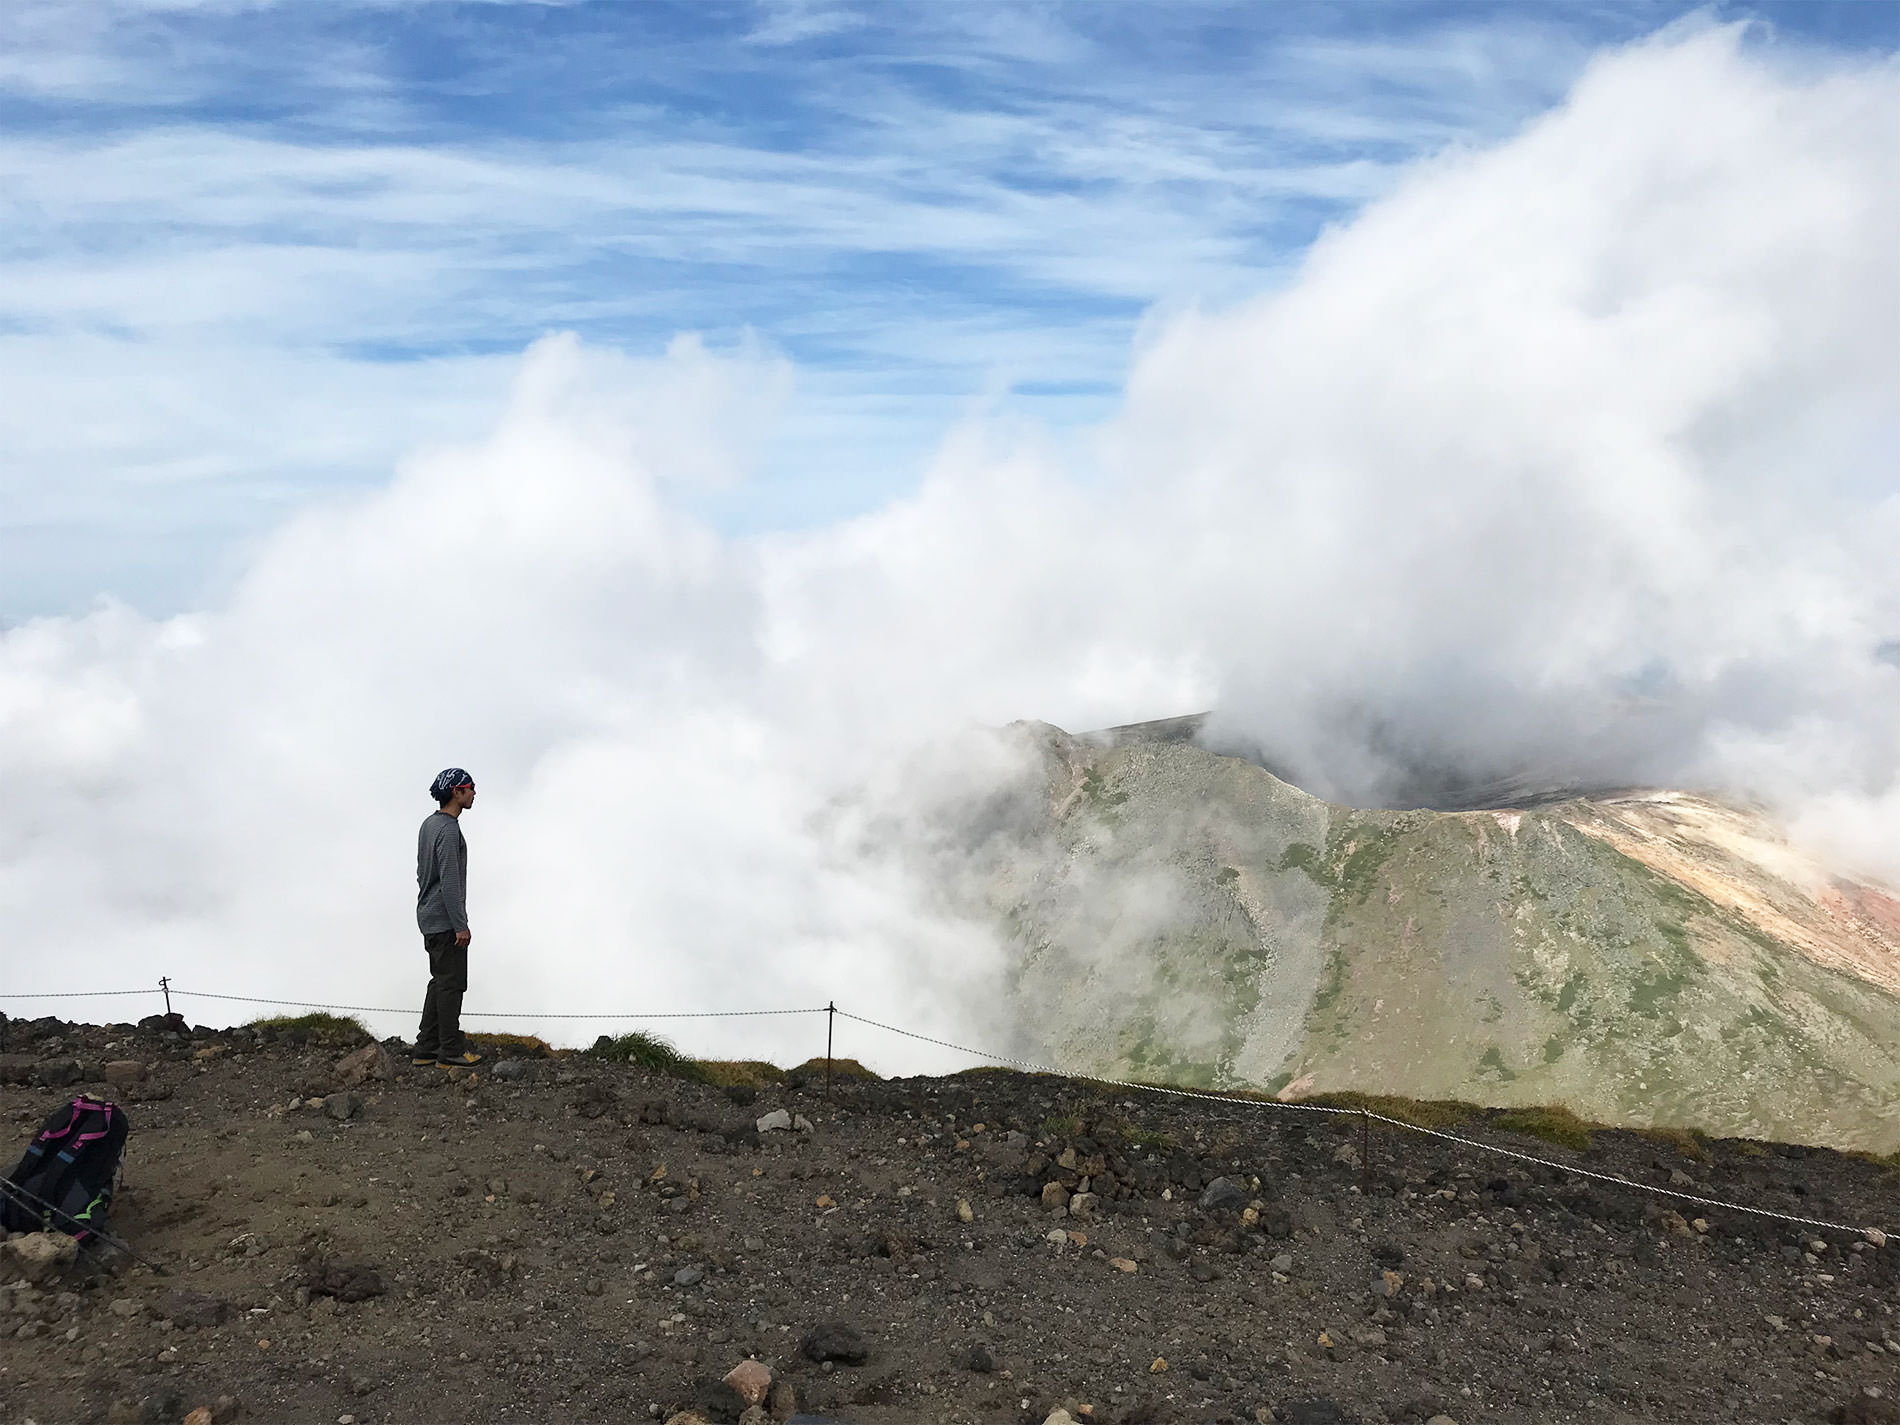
(1573, 461)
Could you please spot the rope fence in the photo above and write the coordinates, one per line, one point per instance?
(1366, 1117)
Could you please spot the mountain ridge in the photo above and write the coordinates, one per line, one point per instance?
(1653, 958)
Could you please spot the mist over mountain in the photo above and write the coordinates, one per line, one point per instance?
(1568, 464)
(1648, 959)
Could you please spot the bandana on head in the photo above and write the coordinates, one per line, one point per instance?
(447, 781)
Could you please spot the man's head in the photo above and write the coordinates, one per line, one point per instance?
(453, 789)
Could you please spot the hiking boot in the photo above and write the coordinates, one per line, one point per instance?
(463, 1058)
(421, 1061)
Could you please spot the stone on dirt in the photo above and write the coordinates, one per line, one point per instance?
(752, 1379)
(777, 1121)
(184, 1307)
(343, 1106)
(125, 1073)
(836, 1341)
(372, 1061)
(1223, 1195)
(37, 1257)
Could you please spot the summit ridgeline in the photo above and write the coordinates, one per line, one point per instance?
(1646, 958)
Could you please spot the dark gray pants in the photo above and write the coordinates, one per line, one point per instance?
(441, 1031)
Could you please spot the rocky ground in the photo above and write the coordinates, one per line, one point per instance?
(563, 1238)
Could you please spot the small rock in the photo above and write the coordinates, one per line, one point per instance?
(835, 1341)
(784, 1400)
(718, 1400)
(184, 1307)
(980, 1359)
(125, 1306)
(125, 1073)
(200, 1416)
(1083, 1205)
(305, 1136)
(1441, 1420)
(1122, 1264)
(1223, 1195)
(1678, 1178)
(1282, 1263)
(802, 1124)
(125, 1411)
(777, 1121)
(964, 1211)
(752, 1379)
(37, 1257)
(372, 1061)
(690, 1275)
(1058, 1416)
(1055, 1197)
(498, 1186)
(512, 1070)
(342, 1106)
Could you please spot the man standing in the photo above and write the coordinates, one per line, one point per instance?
(442, 916)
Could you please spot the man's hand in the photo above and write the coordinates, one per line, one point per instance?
(461, 937)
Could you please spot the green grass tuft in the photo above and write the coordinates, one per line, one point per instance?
(814, 1069)
(1552, 1123)
(1420, 1113)
(647, 1051)
(1690, 1142)
(741, 1073)
(334, 1029)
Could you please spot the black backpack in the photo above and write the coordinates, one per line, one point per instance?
(65, 1181)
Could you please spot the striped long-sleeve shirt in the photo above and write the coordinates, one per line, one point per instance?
(441, 875)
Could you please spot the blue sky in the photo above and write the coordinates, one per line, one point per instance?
(255, 252)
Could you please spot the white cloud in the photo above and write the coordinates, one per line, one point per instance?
(1516, 474)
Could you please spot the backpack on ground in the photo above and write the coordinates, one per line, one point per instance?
(64, 1182)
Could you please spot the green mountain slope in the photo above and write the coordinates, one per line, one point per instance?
(1647, 960)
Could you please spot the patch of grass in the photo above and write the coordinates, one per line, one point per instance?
(647, 1051)
(1567, 996)
(1302, 856)
(1648, 993)
(1493, 1059)
(1420, 1113)
(1553, 1123)
(1060, 1127)
(1139, 1137)
(335, 1029)
(1366, 849)
(1879, 1160)
(1553, 1049)
(1226, 876)
(1690, 1142)
(1096, 789)
(741, 1073)
(840, 1069)
(521, 1043)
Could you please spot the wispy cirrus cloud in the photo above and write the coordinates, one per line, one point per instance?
(928, 209)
